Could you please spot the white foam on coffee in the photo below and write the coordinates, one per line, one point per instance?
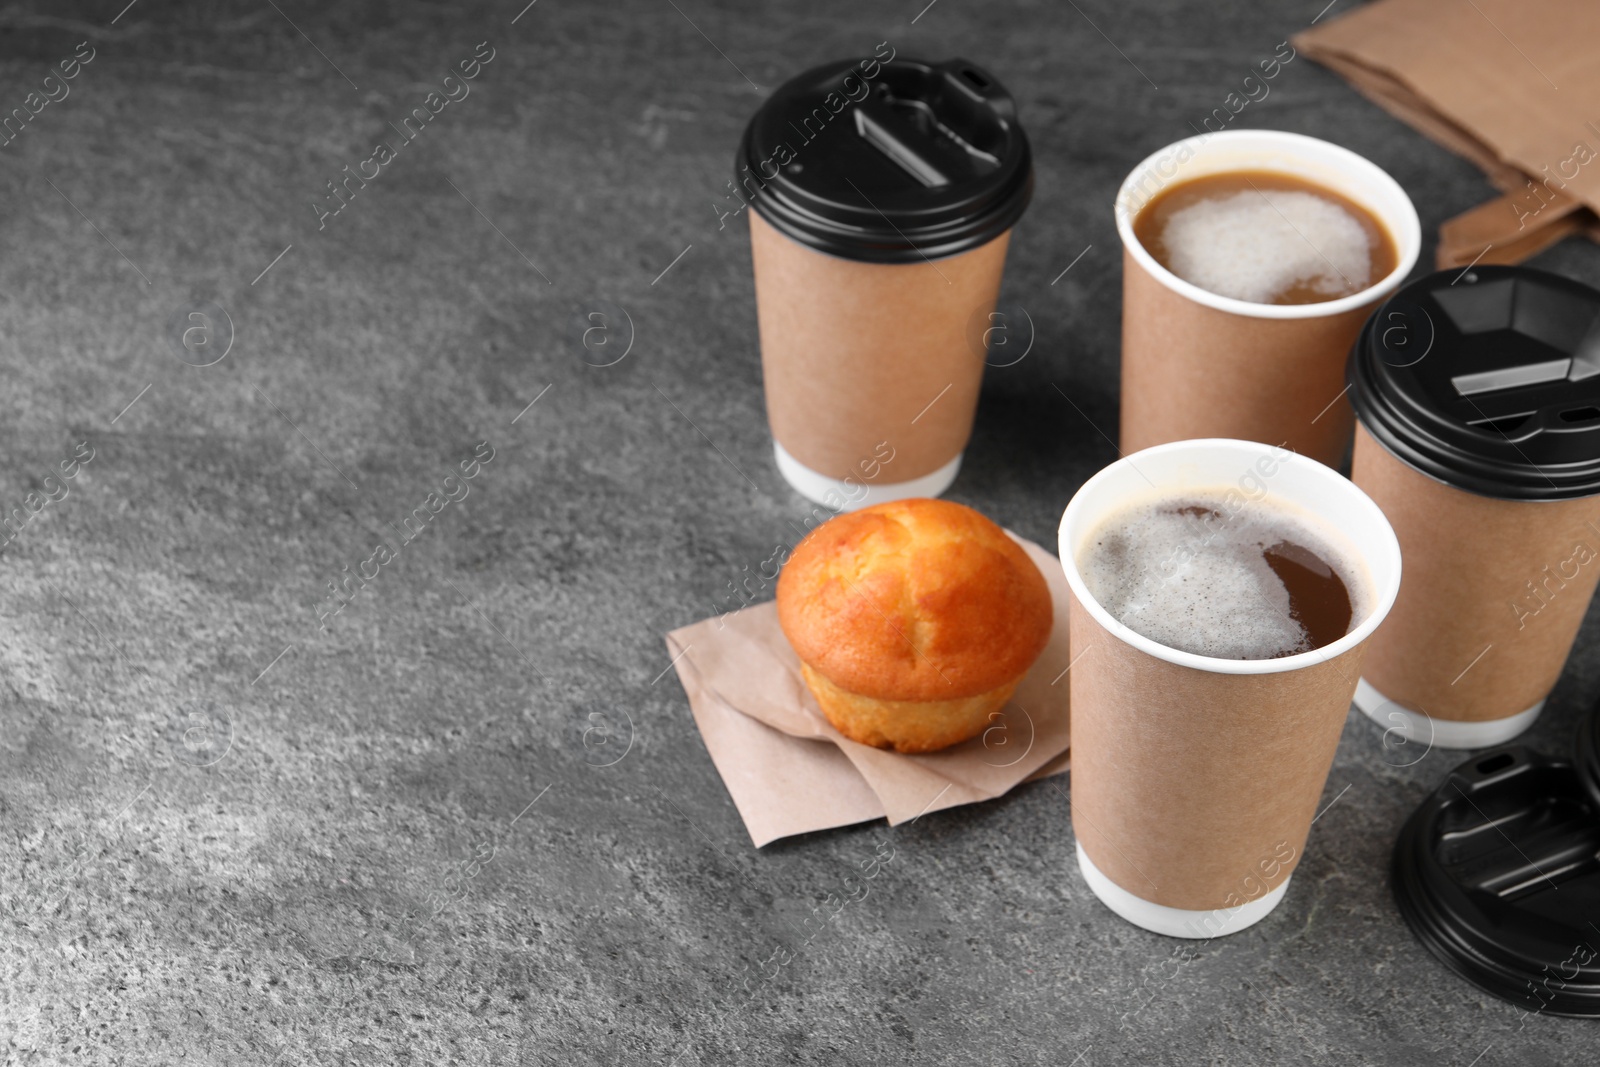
(1255, 245)
(1203, 585)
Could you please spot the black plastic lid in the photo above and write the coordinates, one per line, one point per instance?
(1498, 875)
(1487, 379)
(917, 161)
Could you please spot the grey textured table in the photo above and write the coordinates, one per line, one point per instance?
(238, 828)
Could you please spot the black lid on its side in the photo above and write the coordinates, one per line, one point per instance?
(1498, 875)
(888, 162)
(1487, 379)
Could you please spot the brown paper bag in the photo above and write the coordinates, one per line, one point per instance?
(1509, 85)
(789, 771)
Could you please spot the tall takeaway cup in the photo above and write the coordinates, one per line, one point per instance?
(883, 196)
(1478, 399)
(1195, 779)
(1196, 364)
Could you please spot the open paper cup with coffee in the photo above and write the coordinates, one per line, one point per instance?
(1223, 595)
(1250, 260)
(1478, 399)
(883, 196)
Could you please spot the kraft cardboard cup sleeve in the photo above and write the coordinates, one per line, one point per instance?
(883, 194)
(1195, 364)
(1195, 779)
(1478, 399)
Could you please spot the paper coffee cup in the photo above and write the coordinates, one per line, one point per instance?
(1195, 364)
(878, 240)
(1195, 779)
(880, 369)
(1478, 394)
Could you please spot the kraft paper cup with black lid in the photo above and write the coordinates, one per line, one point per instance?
(1195, 779)
(1477, 395)
(1196, 364)
(883, 196)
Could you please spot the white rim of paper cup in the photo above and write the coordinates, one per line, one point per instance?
(1296, 155)
(1440, 733)
(1178, 922)
(1354, 523)
(821, 489)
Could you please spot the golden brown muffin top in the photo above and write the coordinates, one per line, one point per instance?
(914, 600)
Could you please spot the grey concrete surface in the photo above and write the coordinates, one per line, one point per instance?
(229, 835)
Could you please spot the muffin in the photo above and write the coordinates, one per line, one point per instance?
(913, 620)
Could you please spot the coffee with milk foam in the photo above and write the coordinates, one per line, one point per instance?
(1254, 247)
(1266, 238)
(1201, 573)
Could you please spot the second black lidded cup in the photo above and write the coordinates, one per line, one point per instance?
(883, 194)
(1477, 395)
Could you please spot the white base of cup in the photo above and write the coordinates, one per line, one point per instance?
(1177, 922)
(1441, 733)
(830, 491)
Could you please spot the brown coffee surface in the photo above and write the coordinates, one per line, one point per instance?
(1266, 237)
(1318, 598)
(1207, 574)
